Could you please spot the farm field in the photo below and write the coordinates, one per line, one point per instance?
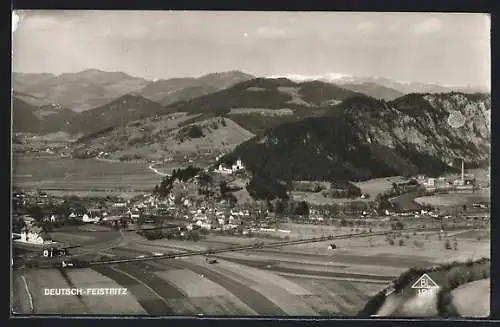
(454, 199)
(375, 186)
(293, 280)
(81, 175)
(319, 199)
(470, 299)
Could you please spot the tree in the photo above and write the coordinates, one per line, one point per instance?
(302, 208)
(397, 225)
(36, 212)
(279, 207)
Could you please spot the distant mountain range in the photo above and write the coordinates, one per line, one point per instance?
(283, 129)
(177, 89)
(93, 88)
(127, 108)
(349, 81)
(42, 119)
(81, 91)
(45, 103)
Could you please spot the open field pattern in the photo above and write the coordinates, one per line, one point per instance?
(263, 282)
(278, 268)
(153, 275)
(117, 304)
(406, 201)
(80, 174)
(277, 294)
(152, 303)
(470, 300)
(350, 258)
(38, 281)
(253, 299)
(453, 199)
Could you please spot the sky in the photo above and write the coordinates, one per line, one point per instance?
(451, 48)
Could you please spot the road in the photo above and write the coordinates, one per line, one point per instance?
(156, 171)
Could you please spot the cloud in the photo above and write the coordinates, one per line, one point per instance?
(392, 27)
(364, 27)
(270, 32)
(428, 26)
(41, 22)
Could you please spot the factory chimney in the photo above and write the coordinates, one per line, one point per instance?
(463, 175)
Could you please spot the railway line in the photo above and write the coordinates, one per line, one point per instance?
(75, 264)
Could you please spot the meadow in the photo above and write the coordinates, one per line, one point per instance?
(81, 175)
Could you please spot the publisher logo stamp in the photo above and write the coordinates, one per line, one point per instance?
(425, 285)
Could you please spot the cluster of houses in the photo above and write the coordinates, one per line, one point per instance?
(464, 182)
(213, 218)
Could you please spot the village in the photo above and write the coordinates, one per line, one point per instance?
(189, 212)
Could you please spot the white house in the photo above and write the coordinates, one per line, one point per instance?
(223, 170)
(31, 237)
(238, 165)
(203, 224)
(86, 218)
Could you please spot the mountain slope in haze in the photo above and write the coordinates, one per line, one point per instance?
(363, 138)
(262, 93)
(118, 112)
(31, 99)
(260, 104)
(78, 91)
(187, 93)
(402, 87)
(170, 90)
(157, 138)
(43, 119)
(374, 90)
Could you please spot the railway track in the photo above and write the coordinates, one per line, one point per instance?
(85, 264)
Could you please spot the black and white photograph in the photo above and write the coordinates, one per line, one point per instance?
(250, 164)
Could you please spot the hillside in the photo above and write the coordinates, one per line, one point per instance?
(187, 93)
(374, 90)
(30, 99)
(118, 112)
(172, 90)
(364, 138)
(43, 119)
(446, 300)
(263, 93)
(157, 138)
(78, 91)
(403, 87)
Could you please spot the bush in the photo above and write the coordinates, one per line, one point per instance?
(418, 244)
(373, 305)
(447, 245)
(390, 241)
(401, 242)
(445, 305)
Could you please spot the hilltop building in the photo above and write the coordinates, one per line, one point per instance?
(237, 166)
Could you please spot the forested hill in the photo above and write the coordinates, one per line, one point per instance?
(363, 138)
